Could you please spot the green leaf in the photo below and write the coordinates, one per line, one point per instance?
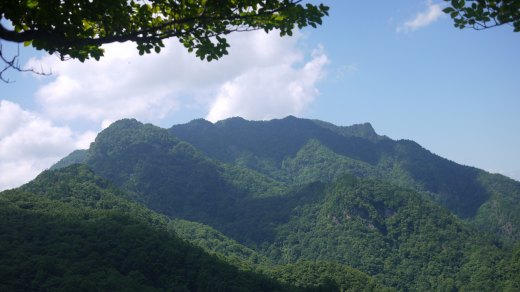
(68, 27)
(448, 10)
(31, 4)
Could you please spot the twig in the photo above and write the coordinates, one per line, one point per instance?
(13, 63)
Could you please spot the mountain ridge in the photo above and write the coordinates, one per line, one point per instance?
(303, 198)
(435, 174)
(270, 147)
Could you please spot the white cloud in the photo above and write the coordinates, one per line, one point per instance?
(112, 89)
(264, 76)
(154, 87)
(272, 91)
(30, 143)
(421, 19)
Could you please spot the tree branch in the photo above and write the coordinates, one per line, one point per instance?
(146, 34)
(78, 29)
(13, 63)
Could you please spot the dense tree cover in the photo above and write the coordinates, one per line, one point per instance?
(171, 176)
(314, 197)
(78, 235)
(77, 29)
(392, 233)
(268, 142)
(483, 14)
(213, 241)
(70, 229)
(307, 275)
(513, 271)
(365, 130)
(500, 213)
(76, 219)
(404, 240)
(282, 149)
(315, 162)
(78, 186)
(326, 276)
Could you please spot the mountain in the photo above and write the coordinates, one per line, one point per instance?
(71, 230)
(293, 196)
(276, 148)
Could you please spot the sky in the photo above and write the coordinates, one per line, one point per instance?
(400, 65)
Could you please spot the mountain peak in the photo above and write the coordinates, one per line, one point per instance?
(125, 123)
(231, 121)
(291, 117)
(363, 130)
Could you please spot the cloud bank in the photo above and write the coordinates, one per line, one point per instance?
(269, 92)
(30, 143)
(264, 76)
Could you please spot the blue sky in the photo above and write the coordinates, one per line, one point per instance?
(400, 65)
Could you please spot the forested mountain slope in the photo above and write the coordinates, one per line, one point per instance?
(309, 195)
(297, 151)
(276, 147)
(71, 230)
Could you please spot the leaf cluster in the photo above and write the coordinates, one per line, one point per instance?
(483, 14)
(77, 29)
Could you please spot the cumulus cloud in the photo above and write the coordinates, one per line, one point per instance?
(120, 86)
(154, 87)
(271, 91)
(264, 76)
(422, 19)
(30, 143)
